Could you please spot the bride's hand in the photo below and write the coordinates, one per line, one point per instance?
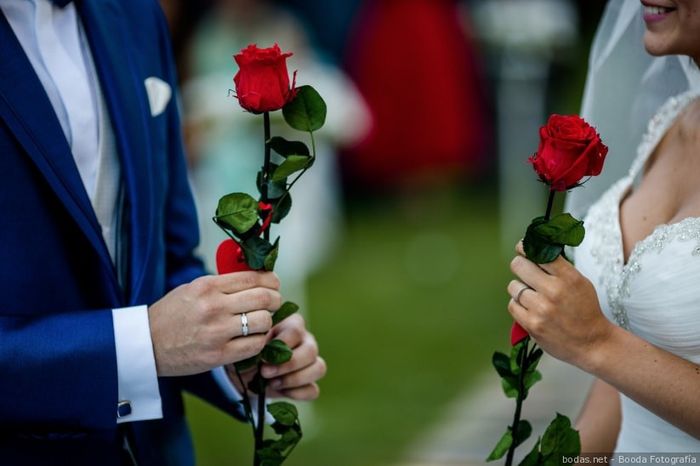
(560, 310)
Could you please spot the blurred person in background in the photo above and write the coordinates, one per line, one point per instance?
(226, 142)
(628, 314)
(330, 22)
(419, 72)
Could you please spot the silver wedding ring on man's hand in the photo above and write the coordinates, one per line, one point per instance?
(520, 293)
(244, 325)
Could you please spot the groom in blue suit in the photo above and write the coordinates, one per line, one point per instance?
(106, 316)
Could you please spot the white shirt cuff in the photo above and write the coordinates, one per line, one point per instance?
(136, 366)
(224, 382)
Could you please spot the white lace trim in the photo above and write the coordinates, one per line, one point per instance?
(603, 220)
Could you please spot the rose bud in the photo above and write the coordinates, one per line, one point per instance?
(230, 258)
(262, 81)
(570, 149)
(517, 334)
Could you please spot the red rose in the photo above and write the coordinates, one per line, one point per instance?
(570, 149)
(230, 258)
(262, 82)
(517, 334)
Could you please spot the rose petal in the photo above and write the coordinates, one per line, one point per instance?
(230, 258)
(517, 334)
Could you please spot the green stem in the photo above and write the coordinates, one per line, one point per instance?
(550, 204)
(260, 427)
(266, 166)
(518, 402)
(246, 400)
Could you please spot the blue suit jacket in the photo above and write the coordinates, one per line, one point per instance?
(58, 375)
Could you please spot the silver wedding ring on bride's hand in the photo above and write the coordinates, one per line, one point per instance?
(244, 325)
(520, 293)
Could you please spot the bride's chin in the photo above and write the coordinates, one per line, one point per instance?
(656, 45)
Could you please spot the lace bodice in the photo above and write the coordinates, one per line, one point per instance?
(656, 294)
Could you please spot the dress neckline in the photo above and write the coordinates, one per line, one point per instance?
(658, 126)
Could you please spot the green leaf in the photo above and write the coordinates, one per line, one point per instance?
(284, 413)
(534, 358)
(291, 437)
(307, 111)
(560, 439)
(562, 229)
(282, 208)
(237, 211)
(275, 189)
(531, 378)
(256, 250)
(538, 248)
(523, 432)
(276, 352)
(533, 458)
(510, 386)
(516, 356)
(291, 164)
(271, 256)
(286, 310)
(501, 363)
(270, 455)
(246, 364)
(501, 447)
(286, 148)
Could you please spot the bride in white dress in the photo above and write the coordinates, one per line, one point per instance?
(630, 312)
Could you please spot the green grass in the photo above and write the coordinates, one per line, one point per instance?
(407, 314)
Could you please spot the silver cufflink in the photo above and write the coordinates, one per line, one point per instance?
(123, 409)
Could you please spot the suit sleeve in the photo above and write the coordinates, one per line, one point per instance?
(62, 384)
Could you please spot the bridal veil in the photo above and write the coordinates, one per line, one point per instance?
(625, 86)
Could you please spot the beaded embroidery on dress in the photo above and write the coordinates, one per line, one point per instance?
(656, 294)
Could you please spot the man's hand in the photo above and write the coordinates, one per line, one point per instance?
(197, 326)
(296, 378)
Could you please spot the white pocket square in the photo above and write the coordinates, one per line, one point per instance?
(159, 94)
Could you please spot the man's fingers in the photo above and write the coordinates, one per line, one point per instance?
(304, 356)
(256, 322)
(291, 331)
(306, 393)
(255, 299)
(300, 378)
(238, 281)
(241, 348)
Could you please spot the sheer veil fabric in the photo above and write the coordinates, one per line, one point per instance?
(625, 87)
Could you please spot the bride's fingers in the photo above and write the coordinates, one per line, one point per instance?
(520, 314)
(521, 293)
(556, 267)
(529, 273)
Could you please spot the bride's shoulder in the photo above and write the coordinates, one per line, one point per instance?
(689, 124)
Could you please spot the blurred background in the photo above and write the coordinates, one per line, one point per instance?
(400, 237)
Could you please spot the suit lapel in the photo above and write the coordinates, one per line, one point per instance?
(27, 111)
(125, 93)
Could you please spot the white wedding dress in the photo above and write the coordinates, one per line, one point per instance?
(655, 295)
